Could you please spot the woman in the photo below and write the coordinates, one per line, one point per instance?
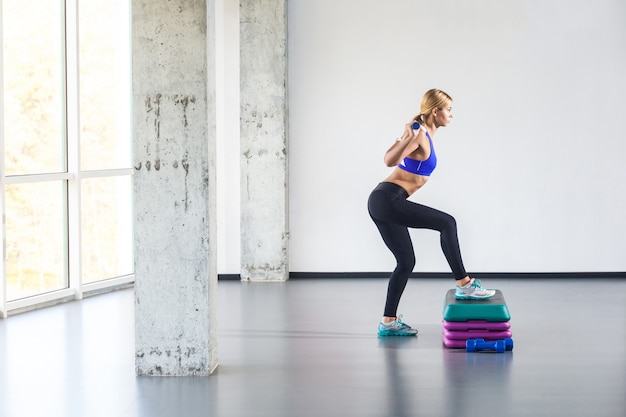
(413, 156)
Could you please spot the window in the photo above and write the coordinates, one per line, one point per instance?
(35, 238)
(66, 141)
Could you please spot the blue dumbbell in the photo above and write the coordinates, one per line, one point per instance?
(477, 345)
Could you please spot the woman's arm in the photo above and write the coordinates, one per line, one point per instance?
(404, 146)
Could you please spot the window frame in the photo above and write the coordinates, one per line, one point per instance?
(73, 177)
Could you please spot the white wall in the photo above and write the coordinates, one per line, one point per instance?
(531, 166)
(227, 166)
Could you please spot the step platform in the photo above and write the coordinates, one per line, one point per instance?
(470, 319)
(493, 309)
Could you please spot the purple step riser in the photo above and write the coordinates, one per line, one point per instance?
(476, 325)
(475, 334)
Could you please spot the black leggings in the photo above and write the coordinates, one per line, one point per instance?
(394, 214)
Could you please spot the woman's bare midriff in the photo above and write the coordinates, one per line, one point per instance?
(410, 182)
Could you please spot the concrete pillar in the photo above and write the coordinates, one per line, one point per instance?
(174, 186)
(264, 171)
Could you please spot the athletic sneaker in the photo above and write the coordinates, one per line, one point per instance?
(473, 291)
(395, 328)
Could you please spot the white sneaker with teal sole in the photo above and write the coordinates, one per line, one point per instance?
(473, 291)
(396, 328)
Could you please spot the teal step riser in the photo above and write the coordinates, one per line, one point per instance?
(493, 309)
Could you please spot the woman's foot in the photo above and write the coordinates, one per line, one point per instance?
(395, 328)
(473, 290)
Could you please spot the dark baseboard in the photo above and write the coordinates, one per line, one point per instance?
(446, 275)
(229, 277)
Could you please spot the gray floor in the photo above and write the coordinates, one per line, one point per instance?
(308, 348)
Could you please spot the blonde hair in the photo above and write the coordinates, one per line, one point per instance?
(433, 99)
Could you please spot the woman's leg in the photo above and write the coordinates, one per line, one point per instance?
(418, 216)
(396, 236)
(381, 206)
(422, 217)
(397, 239)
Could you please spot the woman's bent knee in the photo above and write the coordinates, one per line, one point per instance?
(405, 265)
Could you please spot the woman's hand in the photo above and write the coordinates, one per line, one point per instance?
(404, 146)
(409, 132)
